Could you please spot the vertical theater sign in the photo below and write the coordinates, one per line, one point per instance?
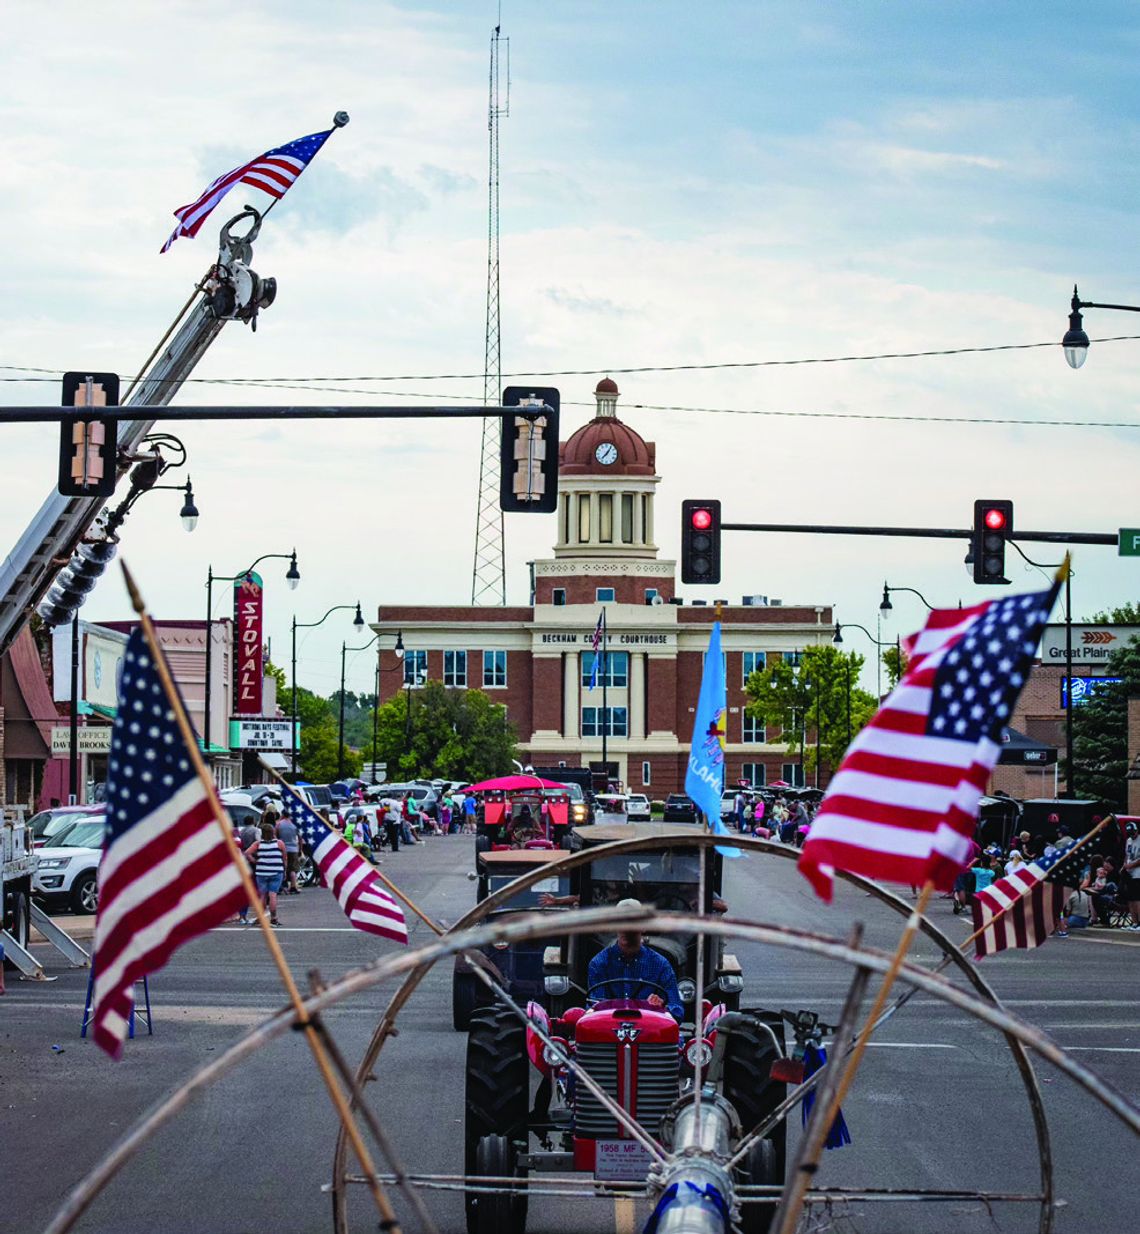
(248, 638)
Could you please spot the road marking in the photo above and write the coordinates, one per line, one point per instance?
(909, 1045)
(1112, 942)
(287, 930)
(1102, 1049)
(625, 1213)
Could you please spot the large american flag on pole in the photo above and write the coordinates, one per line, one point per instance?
(348, 875)
(273, 172)
(1020, 910)
(903, 805)
(167, 874)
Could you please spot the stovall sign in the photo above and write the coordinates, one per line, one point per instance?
(248, 621)
(1091, 644)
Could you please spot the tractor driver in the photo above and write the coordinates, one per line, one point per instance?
(627, 965)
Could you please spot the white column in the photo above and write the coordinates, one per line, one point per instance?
(638, 529)
(637, 695)
(571, 683)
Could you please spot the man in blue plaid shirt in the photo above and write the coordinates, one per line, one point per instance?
(630, 969)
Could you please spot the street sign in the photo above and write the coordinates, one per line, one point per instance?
(1091, 644)
(1128, 543)
(93, 740)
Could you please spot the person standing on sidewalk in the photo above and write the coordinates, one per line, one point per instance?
(289, 836)
(392, 823)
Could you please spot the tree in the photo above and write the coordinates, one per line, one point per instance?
(453, 734)
(817, 697)
(1100, 732)
(1127, 614)
(317, 759)
(895, 663)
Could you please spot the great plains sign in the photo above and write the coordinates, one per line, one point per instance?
(1091, 644)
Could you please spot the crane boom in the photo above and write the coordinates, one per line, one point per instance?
(230, 291)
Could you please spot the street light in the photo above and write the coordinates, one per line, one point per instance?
(885, 606)
(399, 650)
(837, 638)
(292, 577)
(357, 621)
(1076, 341)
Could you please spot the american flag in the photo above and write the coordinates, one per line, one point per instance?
(596, 641)
(273, 172)
(348, 875)
(903, 805)
(167, 874)
(1020, 909)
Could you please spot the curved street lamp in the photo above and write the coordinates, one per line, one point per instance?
(399, 650)
(292, 578)
(357, 621)
(1076, 341)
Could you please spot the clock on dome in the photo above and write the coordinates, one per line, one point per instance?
(606, 453)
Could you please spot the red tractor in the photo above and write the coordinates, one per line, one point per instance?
(636, 1054)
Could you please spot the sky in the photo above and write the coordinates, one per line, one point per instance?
(750, 183)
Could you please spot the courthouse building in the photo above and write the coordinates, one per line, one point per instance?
(538, 659)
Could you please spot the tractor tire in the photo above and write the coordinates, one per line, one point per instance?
(502, 1211)
(482, 844)
(761, 1166)
(747, 1083)
(497, 1107)
(464, 1000)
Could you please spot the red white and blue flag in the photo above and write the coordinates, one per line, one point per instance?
(273, 172)
(902, 806)
(1021, 909)
(596, 641)
(348, 875)
(167, 874)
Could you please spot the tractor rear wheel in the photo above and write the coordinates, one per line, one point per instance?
(759, 1166)
(749, 1053)
(497, 1106)
(464, 999)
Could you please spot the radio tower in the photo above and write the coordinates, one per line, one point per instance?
(488, 576)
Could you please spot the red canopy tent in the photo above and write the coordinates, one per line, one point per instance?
(511, 784)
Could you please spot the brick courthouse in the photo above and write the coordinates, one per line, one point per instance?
(537, 660)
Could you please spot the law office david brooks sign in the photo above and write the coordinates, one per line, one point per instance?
(248, 620)
(1091, 644)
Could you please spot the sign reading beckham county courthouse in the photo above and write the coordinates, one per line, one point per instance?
(615, 639)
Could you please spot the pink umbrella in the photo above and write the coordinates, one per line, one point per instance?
(511, 784)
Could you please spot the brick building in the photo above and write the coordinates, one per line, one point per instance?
(537, 660)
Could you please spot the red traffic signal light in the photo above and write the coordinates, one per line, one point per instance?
(995, 518)
(993, 526)
(701, 518)
(700, 542)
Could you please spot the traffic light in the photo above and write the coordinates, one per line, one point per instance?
(700, 541)
(528, 453)
(993, 526)
(87, 443)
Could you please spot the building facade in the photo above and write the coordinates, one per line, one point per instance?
(538, 660)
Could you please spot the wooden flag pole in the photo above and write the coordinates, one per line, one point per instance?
(792, 1204)
(311, 1028)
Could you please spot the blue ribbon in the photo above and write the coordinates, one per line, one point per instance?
(814, 1058)
(692, 1195)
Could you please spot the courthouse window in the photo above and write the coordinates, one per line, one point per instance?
(494, 668)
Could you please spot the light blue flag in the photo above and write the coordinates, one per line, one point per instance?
(594, 673)
(704, 779)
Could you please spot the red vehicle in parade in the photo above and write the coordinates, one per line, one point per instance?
(522, 811)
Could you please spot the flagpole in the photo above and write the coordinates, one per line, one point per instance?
(311, 1028)
(792, 1203)
(339, 121)
(605, 695)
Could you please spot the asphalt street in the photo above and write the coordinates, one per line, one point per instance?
(938, 1102)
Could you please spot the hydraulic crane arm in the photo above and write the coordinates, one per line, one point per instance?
(230, 291)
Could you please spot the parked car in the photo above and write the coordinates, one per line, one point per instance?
(637, 807)
(679, 808)
(47, 825)
(67, 869)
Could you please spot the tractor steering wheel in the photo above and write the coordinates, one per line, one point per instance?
(655, 986)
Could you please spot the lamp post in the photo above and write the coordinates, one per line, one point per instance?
(292, 578)
(1076, 341)
(837, 638)
(344, 648)
(357, 621)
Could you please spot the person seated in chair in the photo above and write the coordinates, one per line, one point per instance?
(627, 968)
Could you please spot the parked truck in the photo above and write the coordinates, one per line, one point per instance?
(17, 865)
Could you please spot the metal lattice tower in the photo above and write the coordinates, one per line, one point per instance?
(488, 577)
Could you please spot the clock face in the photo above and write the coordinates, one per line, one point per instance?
(606, 453)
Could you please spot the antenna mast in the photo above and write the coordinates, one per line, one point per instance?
(488, 577)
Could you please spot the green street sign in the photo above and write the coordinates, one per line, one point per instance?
(1128, 545)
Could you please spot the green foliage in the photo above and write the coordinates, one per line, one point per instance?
(1100, 731)
(278, 675)
(317, 760)
(1127, 614)
(454, 734)
(817, 697)
(894, 662)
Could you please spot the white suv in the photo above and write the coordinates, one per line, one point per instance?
(68, 868)
(637, 807)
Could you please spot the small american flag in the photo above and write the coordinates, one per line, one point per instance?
(349, 876)
(273, 172)
(596, 641)
(167, 874)
(1020, 909)
(903, 805)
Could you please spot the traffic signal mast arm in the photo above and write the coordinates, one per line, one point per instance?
(928, 533)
